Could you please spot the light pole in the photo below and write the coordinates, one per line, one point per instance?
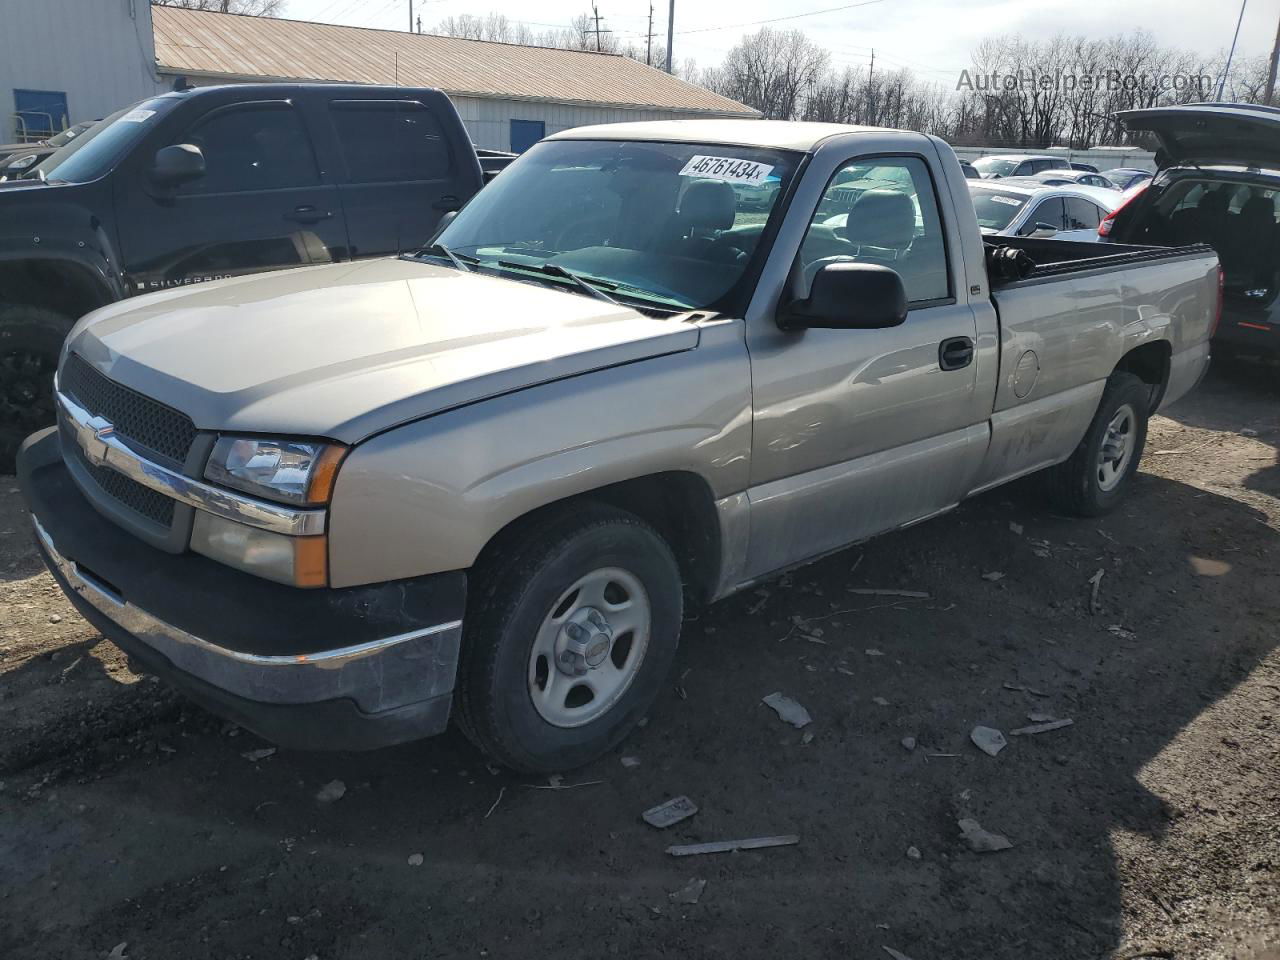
(671, 24)
(1232, 52)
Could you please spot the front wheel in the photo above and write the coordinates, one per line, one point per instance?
(571, 630)
(30, 341)
(1100, 472)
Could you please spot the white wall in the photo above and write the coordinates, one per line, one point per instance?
(489, 121)
(99, 52)
(1104, 158)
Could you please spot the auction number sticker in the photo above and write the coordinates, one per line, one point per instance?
(727, 168)
(137, 116)
(1009, 200)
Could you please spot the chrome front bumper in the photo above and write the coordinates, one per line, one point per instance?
(378, 675)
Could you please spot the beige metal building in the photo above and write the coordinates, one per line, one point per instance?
(509, 96)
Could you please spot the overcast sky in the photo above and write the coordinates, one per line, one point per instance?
(931, 36)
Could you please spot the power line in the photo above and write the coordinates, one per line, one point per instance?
(793, 16)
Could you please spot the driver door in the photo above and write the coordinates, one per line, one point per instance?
(859, 431)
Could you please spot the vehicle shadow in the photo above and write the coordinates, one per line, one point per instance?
(1115, 821)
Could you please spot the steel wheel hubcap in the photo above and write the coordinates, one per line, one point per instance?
(1117, 448)
(589, 647)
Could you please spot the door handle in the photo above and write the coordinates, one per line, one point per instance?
(447, 204)
(955, 353)
(306, 213)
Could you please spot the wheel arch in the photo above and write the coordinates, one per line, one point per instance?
(678, 504)
(1150, 362)
(54, 283)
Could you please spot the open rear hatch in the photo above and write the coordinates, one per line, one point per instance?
(1211, 133)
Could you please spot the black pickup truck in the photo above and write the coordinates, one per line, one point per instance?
(213, 182)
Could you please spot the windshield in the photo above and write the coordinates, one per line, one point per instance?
(997, 166)
(668, 224)
(93, 153)
(995, 209)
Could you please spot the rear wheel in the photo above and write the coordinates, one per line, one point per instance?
(1100, 472)
(30, 341)
(571, 630)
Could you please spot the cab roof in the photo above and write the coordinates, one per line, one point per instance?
(778, 134)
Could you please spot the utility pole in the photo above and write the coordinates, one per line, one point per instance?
(595, 15)
(1271, 77)
(419, 23)
(1232, 52)
(411, 16)
(648, 41)
(671, 26)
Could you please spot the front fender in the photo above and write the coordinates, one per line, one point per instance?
(427, 497)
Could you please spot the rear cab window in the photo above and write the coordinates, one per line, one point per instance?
(389, 141)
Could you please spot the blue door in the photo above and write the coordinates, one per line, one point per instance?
(41, 113)
(525, 133)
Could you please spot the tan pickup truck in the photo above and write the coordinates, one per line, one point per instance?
(649, 365)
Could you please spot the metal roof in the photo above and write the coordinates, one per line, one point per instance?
(782, 134)
(202, 44)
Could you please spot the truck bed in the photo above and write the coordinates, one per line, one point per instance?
(1058, 258)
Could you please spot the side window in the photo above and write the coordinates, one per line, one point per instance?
(390, 141)
(1049, 212)
(1081, 214)
(882, 212)
(252, 147)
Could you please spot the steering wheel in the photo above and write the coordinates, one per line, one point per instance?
(586, 232)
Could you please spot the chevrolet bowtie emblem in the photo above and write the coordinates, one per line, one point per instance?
(95, 446)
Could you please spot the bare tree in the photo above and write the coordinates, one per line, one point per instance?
(251, 8)
(771, 70)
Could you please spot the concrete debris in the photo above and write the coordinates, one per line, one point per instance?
(253, 756)
(896, 954)
(788, 710)
(630, 762)
(729, 846)
(1015, 528)
(1096, 580)
(117, 952)
(988, 739)
(873, 652)
(55, 618)
(982, 841)
(807, 738)
(1035, 717)
(669, 813)
(415, 859)
(690, 893)
(869, 592)
(332, 791)
(880, 701)
(993, 576)
(913, 853)
(1248, 432)
(1041, 727)
(908, 743)
(1124, 633)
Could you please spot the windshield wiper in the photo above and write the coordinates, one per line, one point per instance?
(590, 287)
(459, 260)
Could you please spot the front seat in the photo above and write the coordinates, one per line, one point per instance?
(707, 207)
(1252, 243)
(881, 225)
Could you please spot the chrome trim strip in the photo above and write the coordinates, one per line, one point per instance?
(96, 437)
(378, 674)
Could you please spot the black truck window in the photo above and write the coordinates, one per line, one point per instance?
(388, 141)
(254, 146)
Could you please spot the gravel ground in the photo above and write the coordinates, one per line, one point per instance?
(1149, 827)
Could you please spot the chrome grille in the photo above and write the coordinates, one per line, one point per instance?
(137, 418)
(155, 506)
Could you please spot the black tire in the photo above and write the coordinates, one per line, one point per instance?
(1075, 485)
(512, 593)
(30, 341)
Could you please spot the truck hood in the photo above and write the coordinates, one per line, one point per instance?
(347, 350)
(1211, 133)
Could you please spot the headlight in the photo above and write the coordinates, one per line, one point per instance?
(289, 471)
(298, 561)
(22, 162)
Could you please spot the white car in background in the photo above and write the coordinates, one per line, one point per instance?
(1026, 208)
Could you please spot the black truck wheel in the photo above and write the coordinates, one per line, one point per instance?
(30, 341)
(1100, 472)
(571, 631)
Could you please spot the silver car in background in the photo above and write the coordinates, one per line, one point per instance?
(1026, 208)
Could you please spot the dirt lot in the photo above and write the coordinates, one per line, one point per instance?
(1150, 827)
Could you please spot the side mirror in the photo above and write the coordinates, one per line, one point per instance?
(177, 164)
(849, 296)
(1038, 229)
